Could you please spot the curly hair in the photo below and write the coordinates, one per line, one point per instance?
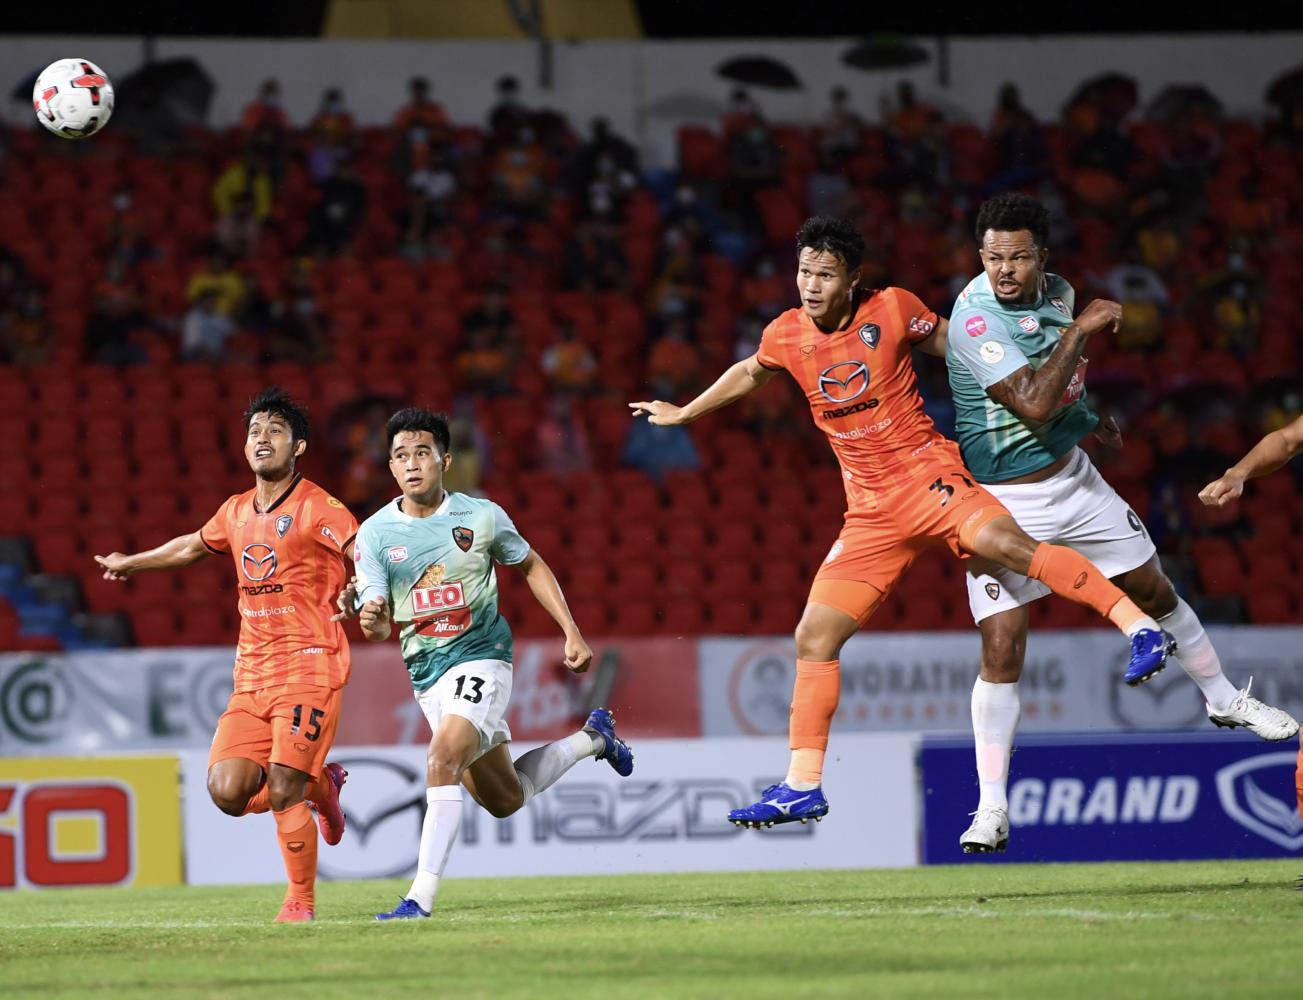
(1012, 211)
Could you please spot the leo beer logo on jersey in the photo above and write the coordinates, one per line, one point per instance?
(435, 600)
(919, 325)
(844, 381)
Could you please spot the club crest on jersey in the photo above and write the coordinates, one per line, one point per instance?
(844, 381)
(397, 553)
(993, 591)
(1029, 324)
(870, 333)
(258, 561)
(283, 524)
(1060, 305)
(464, 538)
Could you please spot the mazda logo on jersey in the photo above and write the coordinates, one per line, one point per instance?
(844, 381)
(258, 561)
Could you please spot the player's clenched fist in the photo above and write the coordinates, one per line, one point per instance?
(658, 412)
(1102, 314)
(116, 565)
(1222, 491)
(374, 616)
(346, 601)
(578, 654)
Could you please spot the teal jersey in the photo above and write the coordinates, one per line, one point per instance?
(436, 573)
(988, 342)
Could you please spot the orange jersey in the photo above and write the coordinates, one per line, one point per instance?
(862, 390)
(289, 566)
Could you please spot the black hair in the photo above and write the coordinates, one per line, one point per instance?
(278, 402)
(828, 234)
(413, 418)
(1012, 211)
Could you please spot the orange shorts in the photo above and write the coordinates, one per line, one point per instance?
(945, 506)
(293, 725)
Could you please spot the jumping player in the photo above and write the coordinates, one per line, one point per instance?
(1268, 455)
(425, 561)
(291, 542)
(1018, 375)
(906, 487)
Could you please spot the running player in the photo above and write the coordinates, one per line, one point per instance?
(291, 542)
(1268, 455)
(425, 561)
(1018, 374)
(906, 487)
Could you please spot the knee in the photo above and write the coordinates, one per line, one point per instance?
(815, 643)
(504, 807)
(227, 795)
(443, 767)
(285, 790)
(1002, 659)
(1155, 596)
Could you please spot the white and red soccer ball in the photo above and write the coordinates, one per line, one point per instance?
(73, 98)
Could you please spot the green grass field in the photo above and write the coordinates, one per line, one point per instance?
(1181, 930)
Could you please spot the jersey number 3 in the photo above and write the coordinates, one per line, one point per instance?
(945, 490)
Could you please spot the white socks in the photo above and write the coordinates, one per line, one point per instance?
(442, 821)
(1197, 656)
(1142, 623)
(539, 769)
(995, 717)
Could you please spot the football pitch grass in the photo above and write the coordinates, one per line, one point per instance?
(1113, 930)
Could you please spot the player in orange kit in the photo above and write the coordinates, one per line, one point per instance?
(906, 488)
(1268, 455)
(292, 545)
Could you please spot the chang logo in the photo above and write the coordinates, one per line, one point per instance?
(844, 381)
(258, 561)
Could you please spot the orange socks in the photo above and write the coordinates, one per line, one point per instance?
(297, 832)
(814, 702)
(1070, 574)
(1298, 782)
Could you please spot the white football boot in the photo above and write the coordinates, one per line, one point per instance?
(1264, 721)
(989, 832)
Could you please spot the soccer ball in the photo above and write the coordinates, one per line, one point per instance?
(73, 98)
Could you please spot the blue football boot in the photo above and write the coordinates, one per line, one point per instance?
(780, 804)
(617, 752)
(1150, 649)
(405, 910)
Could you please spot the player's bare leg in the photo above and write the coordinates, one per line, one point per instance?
(1070, 574)
(820, 636)
(1150, 588)
(237, 786)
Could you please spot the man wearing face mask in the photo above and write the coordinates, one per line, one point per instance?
(1018, 373)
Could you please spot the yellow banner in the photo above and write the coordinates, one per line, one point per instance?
(89, 821)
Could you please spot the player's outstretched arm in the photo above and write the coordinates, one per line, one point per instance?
(180, 551)
(1036, 394)
(935, 342)
(374, 619)
(1266, 456)
(739, 380)
(543, 584)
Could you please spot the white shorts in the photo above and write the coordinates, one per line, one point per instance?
(1074, 507)
(478, 691)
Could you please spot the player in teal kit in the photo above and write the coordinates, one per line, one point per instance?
(1018, 375)
(426, 561)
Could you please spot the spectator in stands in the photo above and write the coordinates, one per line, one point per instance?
(754, 163)
(765, 291)
(218, 277)
(421, 112)
(333, 138)
(742, 112)
(508, 114)
(432, 187)
(334, 219)
(492, 313)
(519, 176)
(569, 364)
(485, 366)
(468, 450)
(357, 437)
(236, 234)
(248, 177)
(296, 331)
(265, 109)
(205, 328)
(917, 133)
(674, 364)
(1022, 155)
(594, 258)
(1144, 300)
(603, 171)
(115, 312)
(561, 440)
(657, 450)
(841, 130)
